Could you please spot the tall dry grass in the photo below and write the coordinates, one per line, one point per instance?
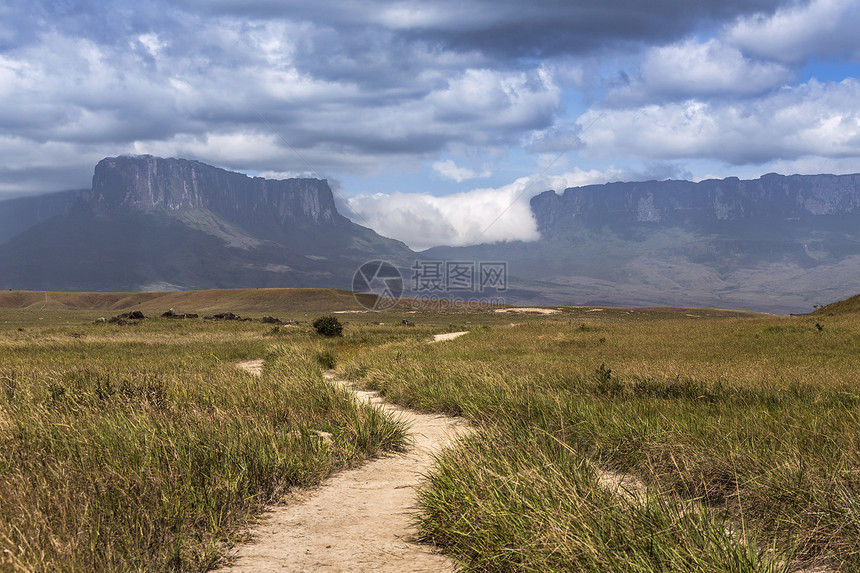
(745, 432)
(147, 449)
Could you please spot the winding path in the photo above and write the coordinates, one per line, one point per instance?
(358, 520)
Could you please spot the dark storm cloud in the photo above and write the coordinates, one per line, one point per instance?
(134, 78)
(354, 87)
(509, 28)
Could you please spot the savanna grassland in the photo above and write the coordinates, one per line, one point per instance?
(739, 437)
(735, 437)
(145, 448)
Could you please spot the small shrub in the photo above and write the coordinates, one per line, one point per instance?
(603, 375)
(328, 326)
(605, 384)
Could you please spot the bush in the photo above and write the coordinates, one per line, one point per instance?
(328, 326)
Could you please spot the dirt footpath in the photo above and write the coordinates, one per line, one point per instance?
(358, 520)
(449, 336)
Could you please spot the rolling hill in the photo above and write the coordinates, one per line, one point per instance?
(265, 301)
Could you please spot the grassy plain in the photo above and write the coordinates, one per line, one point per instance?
(145, 448)
(743, 434)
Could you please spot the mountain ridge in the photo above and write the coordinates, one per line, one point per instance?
(21, 213)
(777, 243)
(151, 223)
(729, 199)
(148, 183)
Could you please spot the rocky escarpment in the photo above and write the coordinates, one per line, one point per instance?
(771, 198)
(171, 224)
(147, 183)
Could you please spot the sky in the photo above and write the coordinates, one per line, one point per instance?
(435, 121)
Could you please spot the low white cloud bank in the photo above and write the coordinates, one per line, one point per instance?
(422, 220)
(473, 217)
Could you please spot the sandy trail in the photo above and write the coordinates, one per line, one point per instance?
(358, 520)
(529, 309)
(448, 336)
(254, 367)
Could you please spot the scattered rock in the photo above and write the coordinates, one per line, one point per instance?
(124, 319)
(173, 314)
(405, 322)
(100, 320)
(270, 320)
(223, 316)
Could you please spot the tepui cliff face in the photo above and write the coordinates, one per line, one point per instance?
(153, 223)
(772, 198)
(148, 183)
(779, 243)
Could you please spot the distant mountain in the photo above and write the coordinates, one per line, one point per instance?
(150, 223)
(778, 243)
(710, 204)
(147, 183)
(18, 215)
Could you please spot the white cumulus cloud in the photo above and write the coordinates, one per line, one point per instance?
(800, 30)
(450, 170)
(812, 119)
(698, 69)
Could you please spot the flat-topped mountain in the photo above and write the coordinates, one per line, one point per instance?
(151, 223)
(705, 204)
(148, 183)
(778, 243)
